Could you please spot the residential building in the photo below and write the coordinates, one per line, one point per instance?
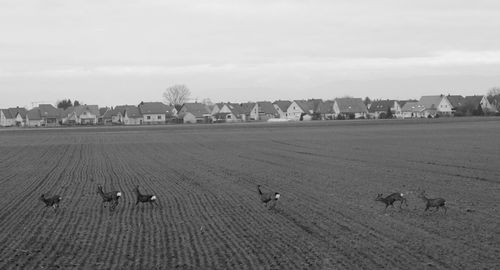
(155, 112)
(281, 107)
(350, 108)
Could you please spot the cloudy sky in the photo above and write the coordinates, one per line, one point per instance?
(111, 52)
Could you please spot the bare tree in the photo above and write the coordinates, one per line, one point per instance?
(493, 91)
(177, 94)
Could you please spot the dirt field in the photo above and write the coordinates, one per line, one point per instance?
(210, 216)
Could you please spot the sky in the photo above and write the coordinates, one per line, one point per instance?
(115, 52)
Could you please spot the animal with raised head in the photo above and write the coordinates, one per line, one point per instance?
(109, 197)
(436, 202)
(144, 198)
(52, 201)
(266, 197)
(389, 200)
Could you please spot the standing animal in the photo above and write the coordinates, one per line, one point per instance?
(389, 200)
(144, 198)
(437, 202)
(109, 197)
(267, 197)
(51, 201)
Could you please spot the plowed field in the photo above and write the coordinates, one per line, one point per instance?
(210, 216)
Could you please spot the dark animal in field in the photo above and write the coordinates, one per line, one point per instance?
(51, 201)
(389, 200)
(268, 196)
(109, 197)
(144, 198)
(437, 202)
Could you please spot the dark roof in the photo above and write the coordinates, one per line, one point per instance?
(103, 110)
(236, 109)
(247, 108)
(131, 111)
(403, 102)
(6, 113)
(197, 109)
(413, 106)
(456, 100)
(431, 102)
(351, 105)
(80, 109)
(473, 100)
(109, 114)
(306, 107)
(11, 113)
(283, 104)
(381, 105)
(34, 114)
(267, 107)
(154, 108)
(326, 107)
(49, 111)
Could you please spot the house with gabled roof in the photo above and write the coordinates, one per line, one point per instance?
(194, 113)
(380, 108)
(413, 109)
(476, 101)
(435, 105)
(34, 118)
(81, 115)
(102, 112)
(302, 110)
(216, 108)
(127, 115)
(281, 107)
(155, 112)
(44, 115)
(51, 115)
(106, 116)
(266, 111)
(325, 109)
(350, 108)
(456, 102)
(228, 113)
(250, 111)
(13, 117)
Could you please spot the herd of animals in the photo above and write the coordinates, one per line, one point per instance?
(112, 199)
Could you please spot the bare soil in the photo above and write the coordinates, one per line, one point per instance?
(210, 216)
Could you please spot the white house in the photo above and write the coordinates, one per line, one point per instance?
(350, 107)
(281, 107)
(437, 105)
(155, 112)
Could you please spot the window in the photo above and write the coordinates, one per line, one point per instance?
(148, 117)
(159, 117)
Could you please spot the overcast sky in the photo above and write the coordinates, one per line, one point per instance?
(109, 52)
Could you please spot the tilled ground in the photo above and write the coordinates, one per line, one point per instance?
(210, 216)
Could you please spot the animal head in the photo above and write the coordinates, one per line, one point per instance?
(379, 197)
(276, 196)
(60, 198)
(153, 198)
(118, 194)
